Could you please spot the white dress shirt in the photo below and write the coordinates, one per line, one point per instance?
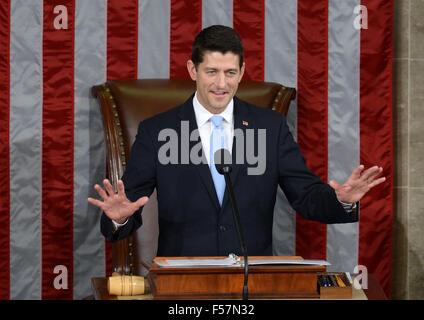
(205, 126)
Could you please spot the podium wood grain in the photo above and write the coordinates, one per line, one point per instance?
(226, 282)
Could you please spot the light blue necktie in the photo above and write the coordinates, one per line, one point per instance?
(217, 142)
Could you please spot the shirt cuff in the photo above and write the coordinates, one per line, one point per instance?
(117, 225)
(349, 207)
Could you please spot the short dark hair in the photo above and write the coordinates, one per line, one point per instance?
(217, 38)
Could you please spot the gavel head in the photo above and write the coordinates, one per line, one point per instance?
(124, 285)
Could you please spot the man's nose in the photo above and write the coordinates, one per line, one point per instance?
(221, 80)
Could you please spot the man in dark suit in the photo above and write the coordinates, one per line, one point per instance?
(195, 215)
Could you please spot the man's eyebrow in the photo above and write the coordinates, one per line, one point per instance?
(226, 70)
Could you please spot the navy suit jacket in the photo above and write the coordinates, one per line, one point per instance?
(191, 221)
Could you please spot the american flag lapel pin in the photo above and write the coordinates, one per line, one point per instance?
(245, 123)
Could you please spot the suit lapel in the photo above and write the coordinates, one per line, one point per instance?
(242, 122)
(186, 113)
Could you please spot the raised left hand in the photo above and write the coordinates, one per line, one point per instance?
(358, 184)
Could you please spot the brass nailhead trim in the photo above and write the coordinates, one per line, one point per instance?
(118, 123)
(277, 100)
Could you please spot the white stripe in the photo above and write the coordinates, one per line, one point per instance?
(343, 123)
(281, 49)
(90, 69)
(153, 38)
(281, 67)
(26, 34)
(217, 12)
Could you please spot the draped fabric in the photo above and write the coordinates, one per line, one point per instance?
(51, 134)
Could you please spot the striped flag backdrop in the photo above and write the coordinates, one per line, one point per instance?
(51, 138)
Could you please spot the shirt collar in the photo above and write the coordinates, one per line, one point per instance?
(203, 115)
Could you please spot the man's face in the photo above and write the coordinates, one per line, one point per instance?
(217, 79)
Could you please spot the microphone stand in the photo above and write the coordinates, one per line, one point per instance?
(226, 171)
(222, 159)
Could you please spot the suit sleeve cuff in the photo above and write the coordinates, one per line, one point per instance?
(352, 209)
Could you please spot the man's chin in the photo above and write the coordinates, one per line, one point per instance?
(222, 104)
(219, 107)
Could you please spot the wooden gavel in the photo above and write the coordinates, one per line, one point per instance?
(124, 285)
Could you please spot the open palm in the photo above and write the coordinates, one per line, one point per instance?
(358, 184)
(116, 205)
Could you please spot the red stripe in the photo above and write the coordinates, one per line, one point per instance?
(58, 150)
(186, 23)
(312, 112)
(376, 140)
(4, 149)
(122, 35)
(248, 21)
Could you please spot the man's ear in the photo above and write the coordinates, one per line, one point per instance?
(243, 67)
(192, 70)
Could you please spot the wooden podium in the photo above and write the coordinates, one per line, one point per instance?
(226, 282)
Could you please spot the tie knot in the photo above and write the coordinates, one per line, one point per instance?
(217, 121)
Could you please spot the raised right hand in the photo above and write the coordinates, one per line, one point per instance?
(116, 205)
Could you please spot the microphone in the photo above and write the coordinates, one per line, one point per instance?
(222, 158)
